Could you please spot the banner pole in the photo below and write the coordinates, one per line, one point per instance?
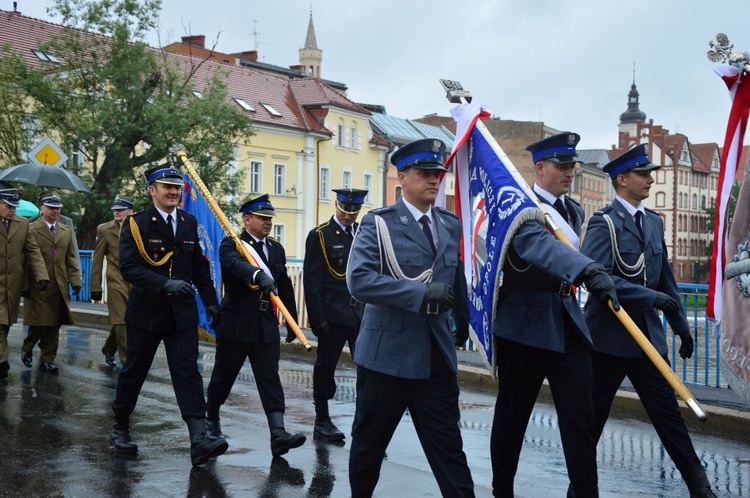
(179, 152)
(457, 95)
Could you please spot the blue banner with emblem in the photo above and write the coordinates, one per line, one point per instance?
(491, 204)
(210, 235)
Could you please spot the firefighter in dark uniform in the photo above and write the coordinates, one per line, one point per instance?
(161, 258)
(249, 326)
(333, 313)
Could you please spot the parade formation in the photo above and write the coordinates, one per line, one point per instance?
(465, 255)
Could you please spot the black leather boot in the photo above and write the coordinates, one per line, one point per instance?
(697, 483)
(119, 439)
(213, 428)
(281, 440)
(201, 446)
(583, 491)
(324, 428)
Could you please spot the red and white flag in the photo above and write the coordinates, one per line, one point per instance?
(739, 92)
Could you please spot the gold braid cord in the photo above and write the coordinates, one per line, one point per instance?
(141, 249)
(334, 273)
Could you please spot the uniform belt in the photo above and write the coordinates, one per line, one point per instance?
(341, 298)
(262, 305)
(563, 288)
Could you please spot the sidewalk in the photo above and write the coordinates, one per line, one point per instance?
(727, 414)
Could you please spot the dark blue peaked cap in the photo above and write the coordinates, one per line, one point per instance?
(350, 200)
(426, 153)
(164, 173)
(260, 205)
(560, 148)
(636, 159)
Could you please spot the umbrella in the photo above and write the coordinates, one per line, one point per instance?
(27, 209)
(44, 176)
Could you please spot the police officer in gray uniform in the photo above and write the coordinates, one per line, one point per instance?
(540, 332)
(333, 313)
(405, 267)
(628, 240)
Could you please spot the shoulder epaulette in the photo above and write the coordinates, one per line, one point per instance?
(568, 198)
(603, 210)
(184, 213)
(445, 211)
(651, 211)
(383, 209)
(322, 225)
(272, 239)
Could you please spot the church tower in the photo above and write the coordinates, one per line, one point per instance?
(629, 118)
(310, 55)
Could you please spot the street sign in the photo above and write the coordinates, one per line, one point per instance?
(49, 153)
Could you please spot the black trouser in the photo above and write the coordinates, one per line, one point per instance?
(182, 356)
(658, 399)
(264, 360)
(433, 407)
(521, 371)
(329, 350)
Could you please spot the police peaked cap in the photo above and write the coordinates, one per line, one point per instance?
(421, 154)
(164, 173)
(560, 148)
(260, 205)
(350, 200)
(636, 159)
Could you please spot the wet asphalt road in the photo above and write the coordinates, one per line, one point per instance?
(54, 440)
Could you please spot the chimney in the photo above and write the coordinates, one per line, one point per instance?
(195, 40)
(298, 67)
(250, 55)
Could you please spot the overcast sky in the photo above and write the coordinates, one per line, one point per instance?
(568, 63)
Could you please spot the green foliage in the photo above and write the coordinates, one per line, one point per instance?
(123, 104)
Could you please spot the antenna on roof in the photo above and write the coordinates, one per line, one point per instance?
(255, 34)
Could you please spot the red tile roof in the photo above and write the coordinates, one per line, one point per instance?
(296, 100)
(703, 156)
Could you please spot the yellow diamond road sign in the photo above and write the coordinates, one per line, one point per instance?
(48, 152)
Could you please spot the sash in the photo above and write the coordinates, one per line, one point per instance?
(561, 223)
(258, 260)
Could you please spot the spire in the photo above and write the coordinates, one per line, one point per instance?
(634, 113)
(310, 42)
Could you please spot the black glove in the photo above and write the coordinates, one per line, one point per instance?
(26, 293)
(265, 283)
(290, 335)
(178, 288)
(77, 291)
(214, 315)
(321, 330)
(41, 285)
(668, 305)
(438, 297)
(600, 284)
(460, 336)
(686, 345)
(96, 296)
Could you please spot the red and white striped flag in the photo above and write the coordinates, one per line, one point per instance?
(739, 93)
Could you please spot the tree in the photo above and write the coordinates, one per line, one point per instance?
(123, 104)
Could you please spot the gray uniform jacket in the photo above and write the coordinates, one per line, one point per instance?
(395, 337)
(637, 299)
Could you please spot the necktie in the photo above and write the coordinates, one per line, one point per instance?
(348, 230)
(52, 229)
(560, 208)
(6, 223)
(261, 253)
(170, 224)
(639, 222)
(425, 221)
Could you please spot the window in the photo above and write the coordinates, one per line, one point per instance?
(399, 192)
(660, 199)
(198, 94)
(353, 138)
(340, 134)
(279, 179)
(660, 176)
(244, 104)
(695, 202)
(279, 231)
(271, 110)
(346, 180)
(46, 56)
(368, 187)
(703, 202)
(325, 182)
(256, 177)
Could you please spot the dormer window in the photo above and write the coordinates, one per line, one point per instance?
(244, 104)
(271, 110)
(46, 56)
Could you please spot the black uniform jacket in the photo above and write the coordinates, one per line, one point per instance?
(242, 315)
(148, 307)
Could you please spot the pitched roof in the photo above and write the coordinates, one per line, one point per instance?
(703, 156)
(292, 100)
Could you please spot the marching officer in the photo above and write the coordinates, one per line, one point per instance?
(333, 313)
(249, 326)
(17, 245)
(161, 258)
(416, 311)
(628, 240)
(46, 310)
(108, 246)
(540, 331)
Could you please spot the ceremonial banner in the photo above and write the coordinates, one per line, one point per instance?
(491, 204)
(739, 92)
(210, 234)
